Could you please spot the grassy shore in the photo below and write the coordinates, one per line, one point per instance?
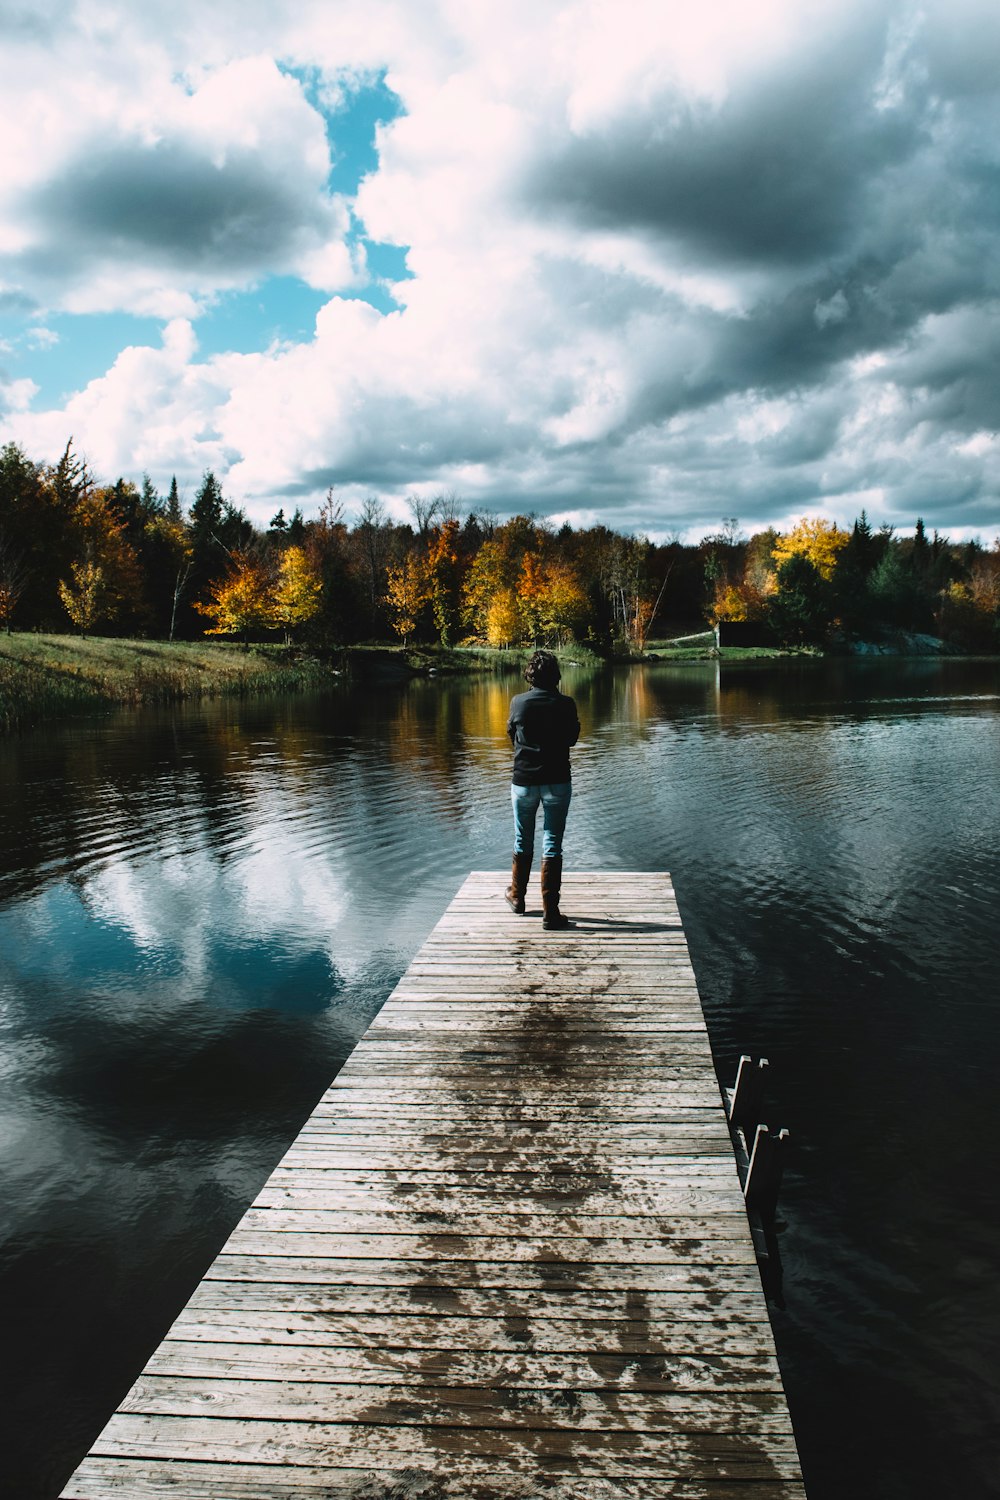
(50, 676)
(45, 677)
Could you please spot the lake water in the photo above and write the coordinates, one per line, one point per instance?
(202, 910)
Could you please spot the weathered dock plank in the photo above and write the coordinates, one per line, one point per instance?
(506, 1257)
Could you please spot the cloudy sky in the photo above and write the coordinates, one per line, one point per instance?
(652, 262)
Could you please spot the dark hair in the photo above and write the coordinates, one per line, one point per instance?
(543, 670)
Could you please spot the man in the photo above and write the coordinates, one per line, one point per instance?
(542, 725)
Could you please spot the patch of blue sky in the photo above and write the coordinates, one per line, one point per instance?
(387, 263)
(75, 349)
(352, 115)
(352, 112)
(279, 309)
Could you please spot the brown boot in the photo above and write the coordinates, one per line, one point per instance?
(519, 871)
(552, 917)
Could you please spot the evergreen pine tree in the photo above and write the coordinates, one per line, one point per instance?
(206, 511)
(174, 511)
(297, 527)
(208, 555)
(152, 504)
(920, 554)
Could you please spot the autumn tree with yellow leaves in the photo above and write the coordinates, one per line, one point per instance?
(88, 597)
(504, 620)
(406, 595)
(820, 541)
(489, 597)
(298, 592)
(559, 603)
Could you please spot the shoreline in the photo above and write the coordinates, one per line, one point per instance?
(48, 677)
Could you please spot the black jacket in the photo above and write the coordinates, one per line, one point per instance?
(542, 724)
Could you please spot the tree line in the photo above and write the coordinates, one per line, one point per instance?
(124, 559)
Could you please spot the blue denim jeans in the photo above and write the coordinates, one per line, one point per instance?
(554, 797)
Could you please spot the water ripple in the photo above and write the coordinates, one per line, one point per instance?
(201, 910)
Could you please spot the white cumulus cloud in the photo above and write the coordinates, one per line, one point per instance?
(664, 264)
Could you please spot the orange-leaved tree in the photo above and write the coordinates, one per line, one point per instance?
(441, 569)
(242, 600)
(531, 595)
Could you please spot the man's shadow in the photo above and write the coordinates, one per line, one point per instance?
(624, 924)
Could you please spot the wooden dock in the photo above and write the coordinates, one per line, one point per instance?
(507, 1256)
